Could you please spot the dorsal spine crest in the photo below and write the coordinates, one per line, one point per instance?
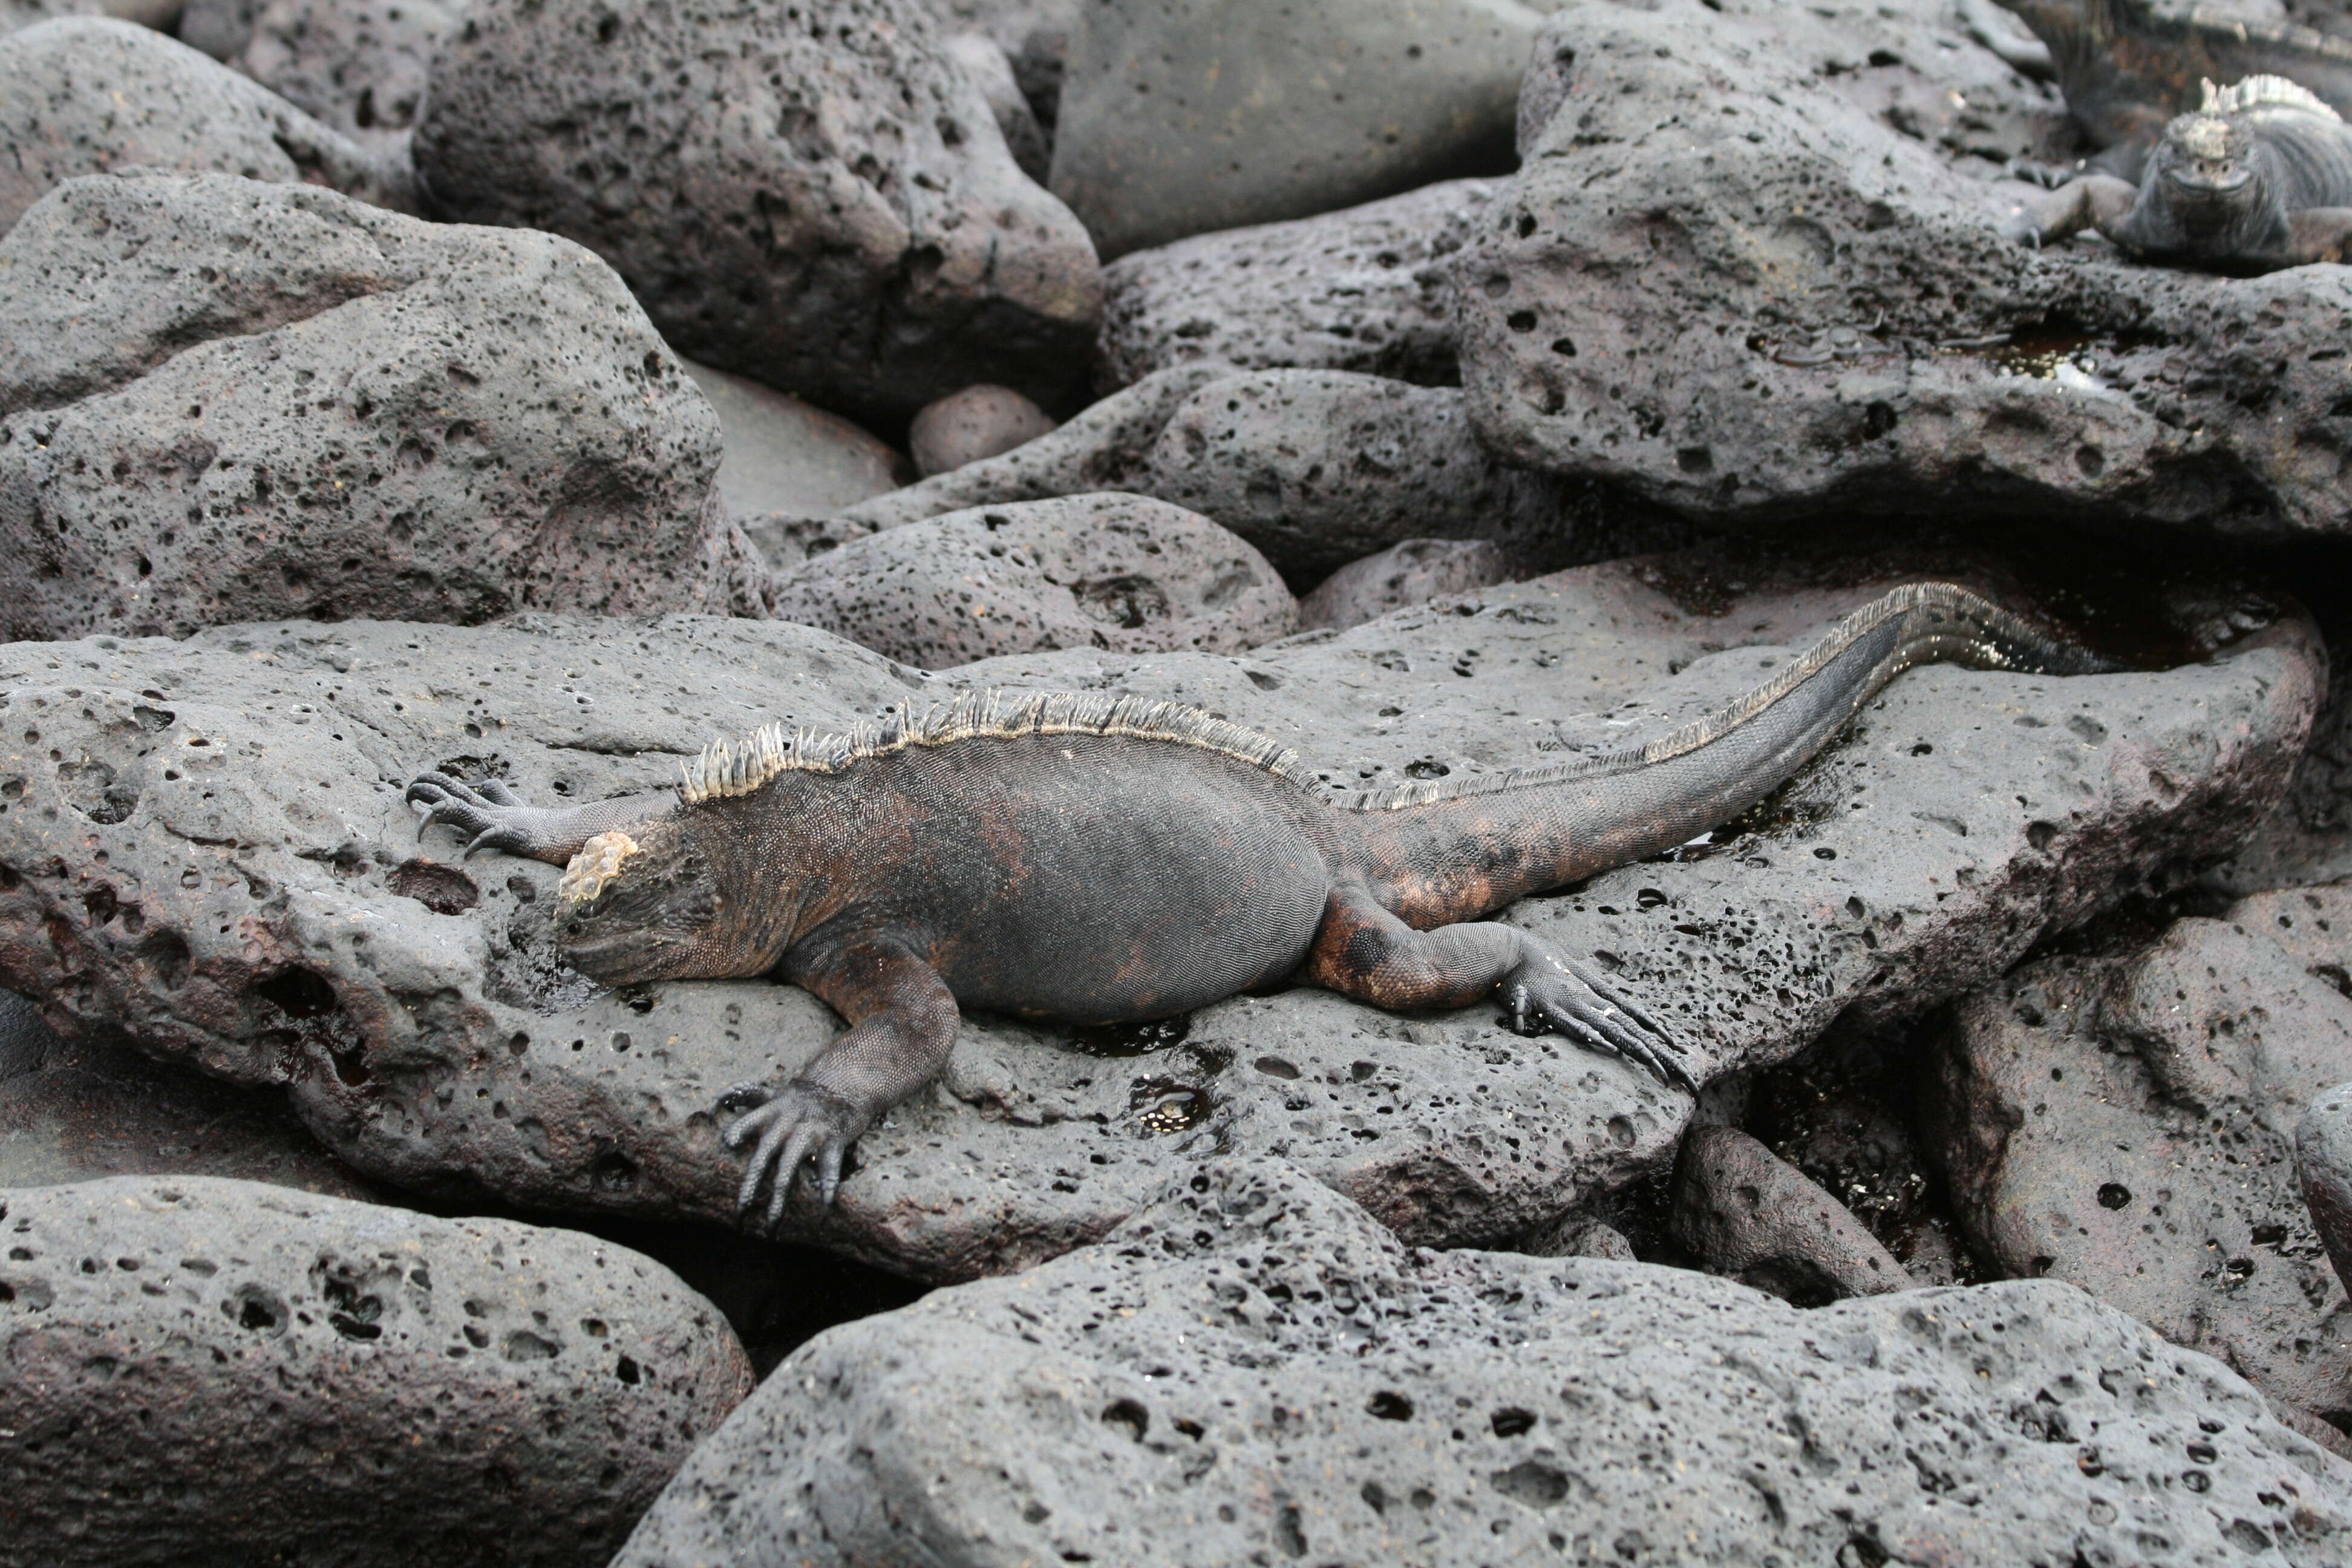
(2257, 91)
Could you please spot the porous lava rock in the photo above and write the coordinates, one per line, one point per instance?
(1745, 1212)
(264, 908)
(1364, 290)
(82, 95)
(1747, 271)
(204, 1371)
(1182, 116)
(1253, 1370)
(977, 422)
(2127, 1123)
(358, 66)
(228, 401)
(815, 195)
(1403, 576)
(15, 14)
(1118, 572)
(786, 456)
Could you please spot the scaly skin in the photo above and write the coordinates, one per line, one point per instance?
(1090, 865)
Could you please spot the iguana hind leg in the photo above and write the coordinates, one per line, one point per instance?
(1363, 952)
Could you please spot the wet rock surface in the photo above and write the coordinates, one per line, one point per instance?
(1114, 572)
(83, 95)
(2127, 1123)
(1366, 289)
(1401, 576)
(360, 65)
(1798, 299)
(228, 401)
(789, 456)
(1182, 116)
(202, 1370)
(817, 196)
(975, 423)
(1254, 1369)
(1746, 1213)
(265, 910)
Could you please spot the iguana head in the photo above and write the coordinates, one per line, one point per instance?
(648, 904)
(2208, 165)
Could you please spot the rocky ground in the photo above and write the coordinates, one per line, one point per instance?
(531, 393)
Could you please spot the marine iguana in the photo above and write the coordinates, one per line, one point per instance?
(1097, 859)
(2127, 71)
(2259, 178)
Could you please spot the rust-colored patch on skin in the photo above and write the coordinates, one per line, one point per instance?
(599, 861)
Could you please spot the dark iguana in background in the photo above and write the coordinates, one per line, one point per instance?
(2128, 70)
(1098, 859)
(2259, 178)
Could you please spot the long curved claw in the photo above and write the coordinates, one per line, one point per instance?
(483, 813)
(1588, 1008)
(800, 1130)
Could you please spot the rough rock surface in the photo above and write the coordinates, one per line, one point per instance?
(1744, 1211)
(1364, 289)
(86, 94)
(2127, 1123)
(1115, 572)
(1182, 116)
(1252, 1370)
(1797, 299)
(357, 65)
(15, 14)
(2323, 1156)
(264, 909)
(80, 1110)
(975, 423)
(786, 456)
(1401, 576)
(230, 401)
(204, 1371)
(816, 196)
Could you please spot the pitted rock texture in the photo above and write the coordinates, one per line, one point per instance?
(230, 401)
(1401, 576)
(87, 94)
(205, 1371)
(2322, 1157)
(786, 456)
(360, 65)
(1252, 1370)
(15, 14)
(2127, 1123)
(1744, 1211)
(1182, 116)
(75, 1110)
(975, 423)
(1797, 298)
(1115, 572)
(264, 907)
(1362, 290)
(815, 195)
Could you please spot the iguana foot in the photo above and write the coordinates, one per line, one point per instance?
(1548, 993)
(798, 1125)
(2022, 228)
(490, 814)
(2048, 176)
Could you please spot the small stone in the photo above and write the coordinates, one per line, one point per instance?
(220, 1370)
(1114, 572)
(1401, 576)
(966, 426)
(786, 456)
(1744, 1211)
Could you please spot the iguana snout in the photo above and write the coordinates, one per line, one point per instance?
(641, 903)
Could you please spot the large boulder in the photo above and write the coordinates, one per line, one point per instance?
(228, 401)
(86, 94)
(1254, 1370)
(263, 906)
(1364, 290)
(1749, 271)
(358, 66)
(815, 195)
(2127, 1123)
(1182, 116)
(204, 1371)
(1116, 572)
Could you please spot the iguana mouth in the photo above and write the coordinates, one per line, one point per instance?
(2211, 181)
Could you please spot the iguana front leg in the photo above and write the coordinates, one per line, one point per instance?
(1363, 952)
(903, 1023)
(2093, 201)
(492, 817)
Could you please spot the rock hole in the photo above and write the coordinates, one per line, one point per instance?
(2041, 835)
(1375, 1498)
(443, 889)
(1511, 1421)
(2090, 460)
(628, 1372)
(1129, 1414)
(521, 1345)
(1288, 1534)
(1520, 321)
(1389, 1405)
(2114, 1195)
(256, 1311)
(1533, 1483)
(1274, 1066)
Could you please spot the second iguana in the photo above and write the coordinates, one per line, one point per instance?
(1099, 859)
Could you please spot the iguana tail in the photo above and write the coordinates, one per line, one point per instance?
(1440, 853)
